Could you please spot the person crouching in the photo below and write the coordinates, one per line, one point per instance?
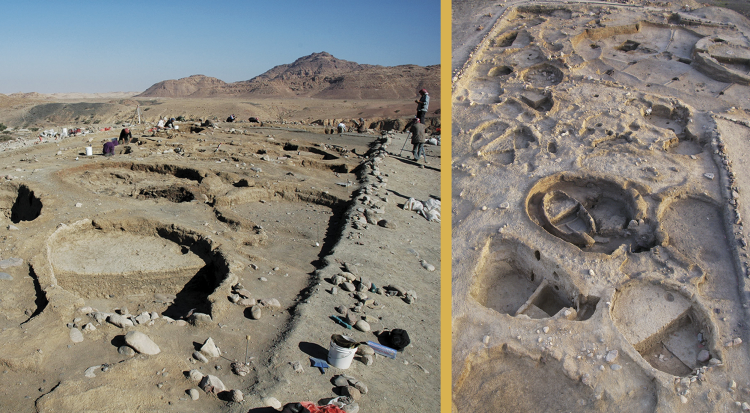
(125, 136)
(109, 147)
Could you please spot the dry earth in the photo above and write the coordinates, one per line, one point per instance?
(165, 230)
(45, 111)
(599, 253)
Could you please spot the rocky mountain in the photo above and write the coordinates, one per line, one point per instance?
(319, 75)
(193, 86)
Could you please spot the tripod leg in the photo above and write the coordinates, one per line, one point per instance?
(406, 140)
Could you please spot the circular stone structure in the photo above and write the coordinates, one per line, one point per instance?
(91, 261)
(593, 213)
(141, 181)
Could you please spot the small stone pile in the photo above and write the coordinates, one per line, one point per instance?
(242, 297)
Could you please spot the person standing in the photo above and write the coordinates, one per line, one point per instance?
(418, 139)
(422, 105)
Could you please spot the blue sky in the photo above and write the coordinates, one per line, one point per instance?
(109, 46)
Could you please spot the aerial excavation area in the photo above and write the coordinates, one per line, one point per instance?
(599, 251)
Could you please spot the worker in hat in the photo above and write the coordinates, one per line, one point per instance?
(422, 103)
(417, 140)
(125, 136)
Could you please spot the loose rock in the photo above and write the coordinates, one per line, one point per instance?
(352, 392)
(91, 371)
(365, 350)
(194, 394)
(271, 402)
(75, 335)
(209, 348)
(195, 376)
(120, 321)
(340, 381)
(427, 266)
(212, 384)
(236, 396)
(255, 312)
(200, 357)
(141, 343)
(126, 351)
(387, 224)
(362, 325)
(240, 369)
(247, 302)
(201, 319)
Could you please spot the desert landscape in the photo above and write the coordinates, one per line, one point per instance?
(206, 268)
(599, 251)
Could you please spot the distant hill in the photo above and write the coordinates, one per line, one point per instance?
(319, 75)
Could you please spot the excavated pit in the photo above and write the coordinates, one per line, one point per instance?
(594, 214)
(505, 40)
(503, 281)
(543, 75)
(662, 325)
(96, 260)
(141, 181)
(513, 279)
(498, 144)
(488, 384)
(498, 380)
(500, 71)
(487, 132)
(19, 203)
(306, 227)
(628, 46)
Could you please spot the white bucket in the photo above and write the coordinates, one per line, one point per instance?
(89, 151)
(340, 357)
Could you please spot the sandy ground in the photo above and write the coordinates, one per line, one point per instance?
(599, 252)
(69, 110)
(167, 228)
